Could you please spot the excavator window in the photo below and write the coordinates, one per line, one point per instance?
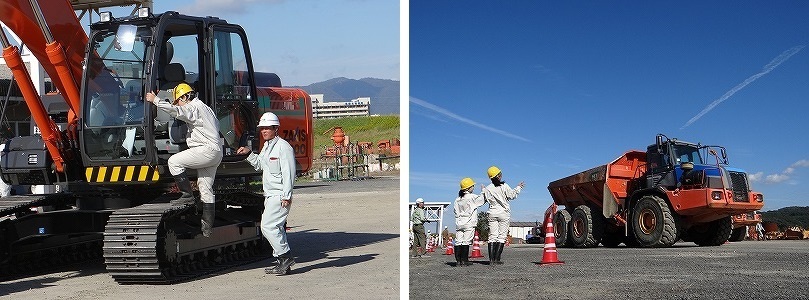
(178, 63)
(113, 98)
(232, 90)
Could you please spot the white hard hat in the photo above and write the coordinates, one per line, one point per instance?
(419, 200)
(268, 119)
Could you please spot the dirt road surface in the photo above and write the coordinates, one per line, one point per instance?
(741, 270)
(344, 234)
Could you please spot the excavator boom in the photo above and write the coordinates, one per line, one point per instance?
(65, 28)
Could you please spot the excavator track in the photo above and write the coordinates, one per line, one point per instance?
(47, 248)
(23, 204)
(161, 243)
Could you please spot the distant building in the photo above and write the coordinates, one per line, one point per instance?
(518, 230)
(359, 107)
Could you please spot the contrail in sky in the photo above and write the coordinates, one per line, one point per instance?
(447, 113)
(769, 67)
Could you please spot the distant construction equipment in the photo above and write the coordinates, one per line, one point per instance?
(347, 160)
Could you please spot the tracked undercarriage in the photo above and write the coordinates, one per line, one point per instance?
(37, 233)
(152, 243)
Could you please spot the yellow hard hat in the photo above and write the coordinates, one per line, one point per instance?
(180, 90)
(467, 183)
(493, 171)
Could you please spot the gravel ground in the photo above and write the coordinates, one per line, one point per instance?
(345, 236)
(742, 270)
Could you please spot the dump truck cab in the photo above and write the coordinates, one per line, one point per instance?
(667, 158)
(696, 176)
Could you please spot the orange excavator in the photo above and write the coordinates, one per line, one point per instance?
(111, 159)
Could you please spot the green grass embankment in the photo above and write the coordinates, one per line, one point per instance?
(358, 129)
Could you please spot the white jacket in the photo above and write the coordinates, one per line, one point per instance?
(277, 161)
(466, 210)
(498, 198)
(203, 126)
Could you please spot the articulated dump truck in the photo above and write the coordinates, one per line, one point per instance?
(675, 190)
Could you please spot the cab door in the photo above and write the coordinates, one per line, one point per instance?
(232, 88)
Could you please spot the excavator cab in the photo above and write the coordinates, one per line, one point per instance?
(134, 55)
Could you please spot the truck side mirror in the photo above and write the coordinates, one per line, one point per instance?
(724, 154)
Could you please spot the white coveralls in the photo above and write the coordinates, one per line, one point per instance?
(277, 163)
(204, 151)
(499, 211)
(466, 217)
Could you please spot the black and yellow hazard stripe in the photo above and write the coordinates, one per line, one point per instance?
(122, 174)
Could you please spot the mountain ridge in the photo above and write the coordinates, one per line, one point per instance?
(384, 93)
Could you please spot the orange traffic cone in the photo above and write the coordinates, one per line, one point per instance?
(450, 248)
(476, 247)
(430, 245)
(549, 255)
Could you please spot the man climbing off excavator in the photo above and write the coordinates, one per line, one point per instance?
(204, 151)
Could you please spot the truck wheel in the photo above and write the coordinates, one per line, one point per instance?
(737, 235)
(715, 233)
(586, 229)
(652, 223)
(560, 223)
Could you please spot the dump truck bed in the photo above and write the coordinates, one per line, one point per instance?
(606, 184)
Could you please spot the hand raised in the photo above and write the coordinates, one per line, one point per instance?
(150, 96)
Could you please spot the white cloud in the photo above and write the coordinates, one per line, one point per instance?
(456, 117)
(801, 163)
(780, 177)
(434, 179)
(776, 178)
(755, 177)
(220, 7)
(766, 69)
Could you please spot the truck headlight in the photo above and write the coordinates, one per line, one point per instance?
(717, 195)
(759, 198)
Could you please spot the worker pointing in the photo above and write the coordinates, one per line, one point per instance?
(498, 194)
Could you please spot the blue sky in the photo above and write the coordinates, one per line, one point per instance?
(308, 41)
(546, 89)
